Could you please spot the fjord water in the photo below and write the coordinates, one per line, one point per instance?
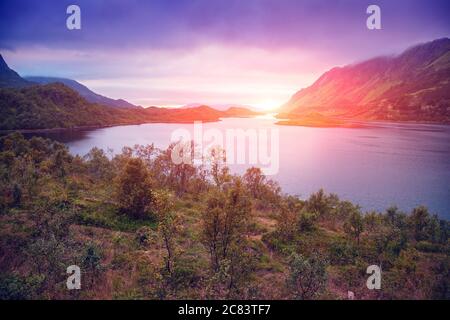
(376, 166)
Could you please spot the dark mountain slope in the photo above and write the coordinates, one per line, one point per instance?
(9, 78)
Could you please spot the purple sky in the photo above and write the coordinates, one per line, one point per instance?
(255, 52)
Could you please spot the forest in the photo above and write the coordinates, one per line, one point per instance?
(141, 227)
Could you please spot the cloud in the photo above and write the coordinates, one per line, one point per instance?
(221, 51)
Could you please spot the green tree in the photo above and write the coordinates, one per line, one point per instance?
(255, 181)
(219, 170)
(98, 164)
(168, 225)
(134, 190)
(322, 204)
(419, 220)
(354, 225)
(224, 219)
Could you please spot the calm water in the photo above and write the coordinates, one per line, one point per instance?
(378, 166)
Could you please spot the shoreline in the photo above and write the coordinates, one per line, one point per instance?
(352, 124)
(94, 127)
(356, 124)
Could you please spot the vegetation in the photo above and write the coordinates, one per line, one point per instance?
(57, 106)
(141, 227)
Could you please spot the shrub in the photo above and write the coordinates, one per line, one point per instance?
(308, 276)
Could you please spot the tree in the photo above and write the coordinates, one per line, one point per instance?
(254, 180)
(223, 220)
(287, 222)
(306, 221)
(308, 276)
(261, 188)
(133, 189)
(98, 164)
(354, 225)
(169, 174)
(231, 280)
(212, 218)
(419, 221)
(164, 207)
(322, 204)
(219, 170)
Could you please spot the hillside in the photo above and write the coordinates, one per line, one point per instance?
(412, 86)
(54, 106)
(58, 106)
(142, 227)
(85, 92)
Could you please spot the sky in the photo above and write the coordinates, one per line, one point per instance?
(177, 52)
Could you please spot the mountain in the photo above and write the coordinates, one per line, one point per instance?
(85, 92)
(9, 78)
(179, 115)
(412, 86)
(228, 112)
(218, 106)
(55, 105)
(241, 112)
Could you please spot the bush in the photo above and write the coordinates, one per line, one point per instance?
(15, 287)
(308, 276)
(342, 253)
(307, 221)
(426, 246)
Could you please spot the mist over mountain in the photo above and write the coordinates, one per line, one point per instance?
(412, 86)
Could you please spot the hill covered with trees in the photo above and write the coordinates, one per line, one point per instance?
(85, 92)
(57, 106)
(141, 227)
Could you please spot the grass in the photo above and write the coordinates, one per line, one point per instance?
(107, 216)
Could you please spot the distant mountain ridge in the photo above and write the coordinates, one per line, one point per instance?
(412, 86)
(217, 106)
(85, 92)
(231, 111)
